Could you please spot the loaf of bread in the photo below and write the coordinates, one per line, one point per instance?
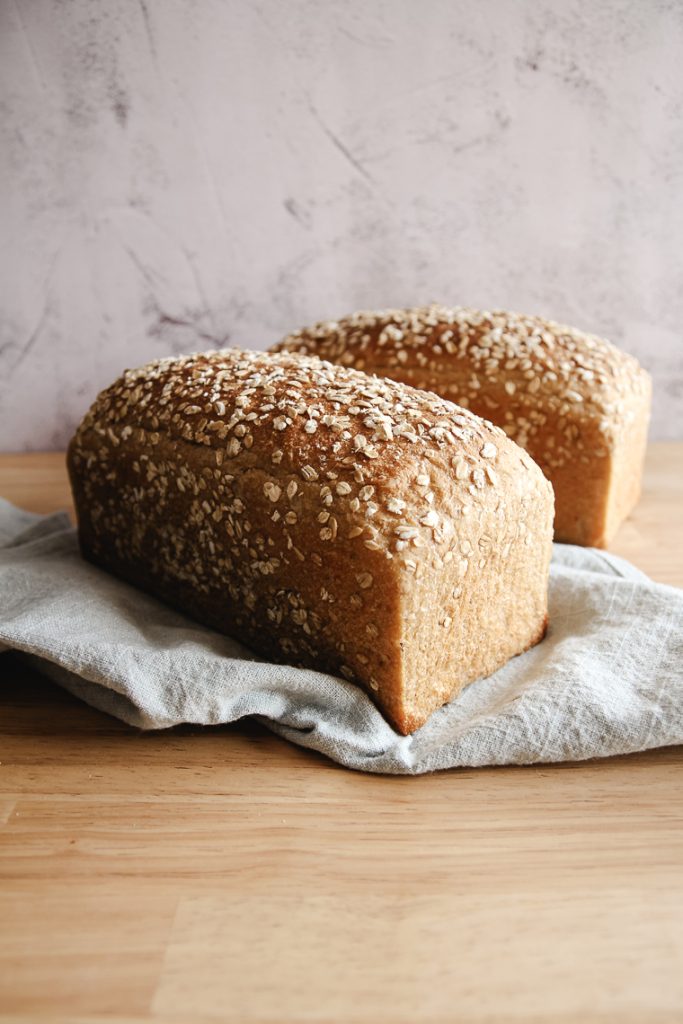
(577, 404)
(323, 517)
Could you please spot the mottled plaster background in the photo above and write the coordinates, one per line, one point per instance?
(180, 174)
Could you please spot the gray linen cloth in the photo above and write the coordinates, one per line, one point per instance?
(607, 679)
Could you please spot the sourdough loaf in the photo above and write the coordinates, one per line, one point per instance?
(577, 404)
(323, 517)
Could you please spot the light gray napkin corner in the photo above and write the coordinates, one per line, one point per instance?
(607, 679)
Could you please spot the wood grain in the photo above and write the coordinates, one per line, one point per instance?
(221, 874)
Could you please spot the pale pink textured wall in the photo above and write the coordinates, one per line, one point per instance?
(177, 174)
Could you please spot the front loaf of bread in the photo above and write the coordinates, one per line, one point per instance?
(322, 517)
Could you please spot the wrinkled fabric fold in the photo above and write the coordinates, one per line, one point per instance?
(607, 679)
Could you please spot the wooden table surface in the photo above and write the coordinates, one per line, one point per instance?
(222, 874)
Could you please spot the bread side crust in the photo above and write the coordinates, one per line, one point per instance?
(489, 602)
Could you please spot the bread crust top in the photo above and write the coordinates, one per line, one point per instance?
(521, 368)
(374, 458)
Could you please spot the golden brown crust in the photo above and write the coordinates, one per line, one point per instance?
(314, 512)
(577, 404)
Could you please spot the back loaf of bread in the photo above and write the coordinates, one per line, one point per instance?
(577, 404)
(323, 517)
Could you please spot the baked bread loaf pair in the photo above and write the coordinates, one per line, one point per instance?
(323, 517)
(577, 404)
